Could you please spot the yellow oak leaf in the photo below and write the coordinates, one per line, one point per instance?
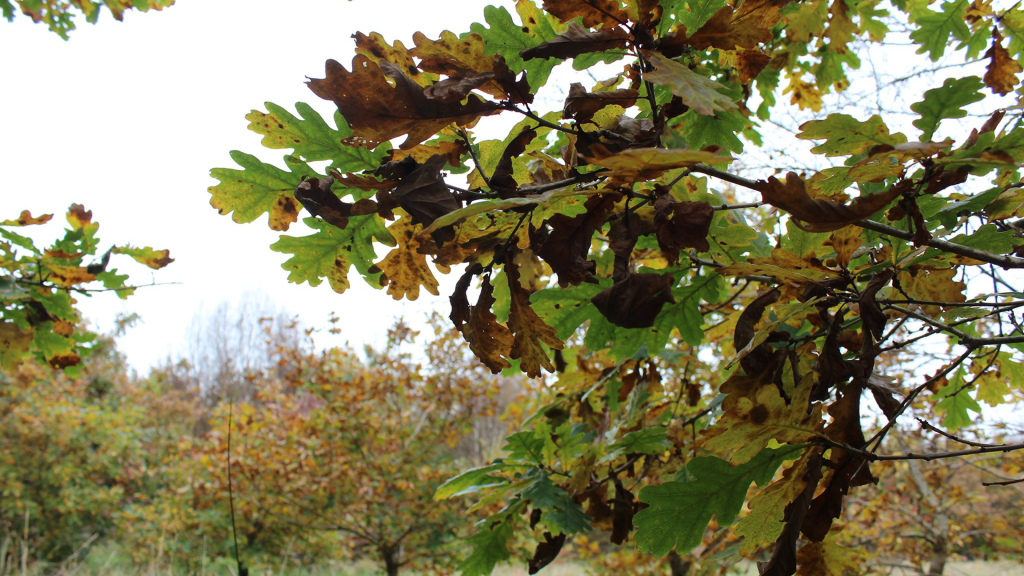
(404, 268)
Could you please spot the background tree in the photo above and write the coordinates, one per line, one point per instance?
(59, 15)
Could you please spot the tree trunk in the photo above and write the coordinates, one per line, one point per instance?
(940, 553)
(389, 554)
(679, 566)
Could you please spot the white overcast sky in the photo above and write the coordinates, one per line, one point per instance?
(128, 118)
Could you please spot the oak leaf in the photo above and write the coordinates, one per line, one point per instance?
(681, 225)
(490, 341)
(577, 40)
(594, 13)
(696, 91)
(639, 164)
(635, 301)
(581, 105)
(316, 196)
(404, 269)
(528, 329)
(818, 214)
(377, 111)
(1001, 72)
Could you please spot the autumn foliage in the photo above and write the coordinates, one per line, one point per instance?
(621, 244)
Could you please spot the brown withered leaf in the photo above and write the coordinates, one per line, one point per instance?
(578, 40)
(622, 238)
(546, 552)
(749, 64)
(404, 268)
(423, 193)
(783, 561)
(528, 329)
(502, 181)
(943, 179)
(489, 340)
(758, 359)
(623, 509)
(459, 299)
(452, 90)
(1001, 72)
(581, 105)
(721, 32)
(316, 197)
(378, 112)
(566, 247)
(849, 469)
(593, 12)
(817, 214)
(459, 58)
(361, 181)
(636, 301)
(681, 225)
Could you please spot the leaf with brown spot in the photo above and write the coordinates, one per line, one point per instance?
(749, 64)
(829, 559)
(26, 219)
(593, 12)
(681, 225)
(378, 112)
(721, 31)
(14, 344)
(404, 268)
(767, 518)
(489, 340)
(1001, 72)
(361, 181)
(451, 151)
(529, 331)
(464, 58)
(751, 423)
(700, 93)
(785, 266)
(581, 105)
(375, 48)
(316, 196)
(932, 284)
(640, 164)
(81, 219)
(845, 241)
(155, 259)
(68, 276)
(567, 245)
(635, 301)
(578, 40)
(820, 215)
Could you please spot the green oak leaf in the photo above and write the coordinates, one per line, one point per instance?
(562, 514)
(489, 546)
(312, 138)
(469, 481)
(645, 441)
(679, 512)
(258, 189)
(331, 251)
(509, 39)
(934, 28)
(844, 135)
(702, 94)
(719, 130)
(525, 446)
(989, 238)
(946, 101)
(698, 12)
(955, 402)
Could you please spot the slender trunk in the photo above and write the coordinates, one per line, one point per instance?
(679, 566)
(940, 553)
(389, 554)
